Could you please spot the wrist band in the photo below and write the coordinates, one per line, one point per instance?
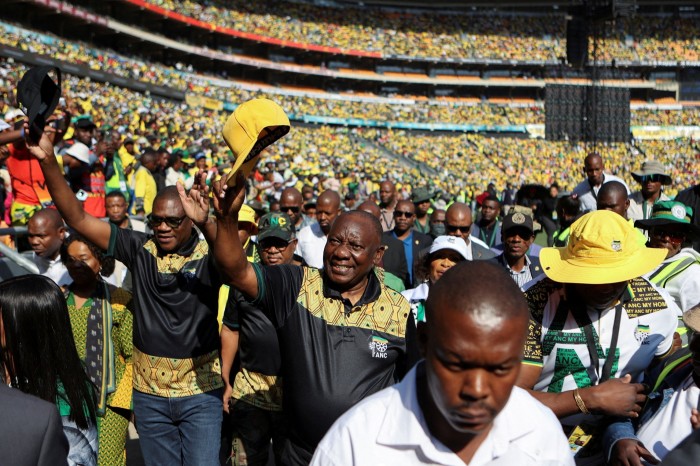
(579, 402)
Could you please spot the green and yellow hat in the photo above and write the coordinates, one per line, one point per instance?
(665, 213)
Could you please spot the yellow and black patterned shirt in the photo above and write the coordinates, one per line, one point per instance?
(333, 354)
(176, 334)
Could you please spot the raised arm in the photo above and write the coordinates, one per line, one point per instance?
(67, 204)
(228, 250)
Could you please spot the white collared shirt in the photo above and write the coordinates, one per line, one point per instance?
(54, 269)
(388, 428)
(589, 196)
(310, 245)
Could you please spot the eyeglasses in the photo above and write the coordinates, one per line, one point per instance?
(652, 178)
(173, 222)
(456, 228)
(401, 213)
(676, 237)
(276, 243)
(294, 210)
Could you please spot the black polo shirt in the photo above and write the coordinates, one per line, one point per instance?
(333, 354)
(258, 347)
(176, 333)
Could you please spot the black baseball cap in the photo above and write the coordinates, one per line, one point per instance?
(38, 95)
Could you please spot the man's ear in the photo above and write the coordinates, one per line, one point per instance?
(379, 255)
(422, 333)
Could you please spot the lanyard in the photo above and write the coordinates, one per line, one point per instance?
(583, 321)
(492, 238)
(595, 194)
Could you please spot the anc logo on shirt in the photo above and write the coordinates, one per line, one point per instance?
(378, 346)
(641, 333)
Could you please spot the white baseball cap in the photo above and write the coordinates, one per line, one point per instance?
(450, 242)
(80, 151)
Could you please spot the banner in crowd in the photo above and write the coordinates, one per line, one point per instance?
(202, 101)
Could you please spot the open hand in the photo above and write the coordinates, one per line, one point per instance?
(196, 203)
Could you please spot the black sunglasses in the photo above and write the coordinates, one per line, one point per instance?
(401, 213)
(456, 228)
(173, 222)
(289, 209)
(652, 178)
(277, 243)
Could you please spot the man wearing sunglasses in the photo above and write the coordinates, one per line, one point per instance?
(413, 241)
(652, 178)
(458, 222)
(669, 227)
(291, 203)
(254, 397)
(177, 372)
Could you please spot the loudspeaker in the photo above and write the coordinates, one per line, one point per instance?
(576, 42)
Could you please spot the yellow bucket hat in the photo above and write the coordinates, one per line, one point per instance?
(252, 127)
(603, 248)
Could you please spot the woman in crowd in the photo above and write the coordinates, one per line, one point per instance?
(444, 253)
(40, 358)
(101, 319)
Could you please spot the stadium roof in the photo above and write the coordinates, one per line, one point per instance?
(521, 5)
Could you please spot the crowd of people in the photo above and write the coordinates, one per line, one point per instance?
(434, 35)
(338, 317)
(413, 109)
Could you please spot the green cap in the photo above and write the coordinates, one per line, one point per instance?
(670, 213)
(421, 195)
(276, 225)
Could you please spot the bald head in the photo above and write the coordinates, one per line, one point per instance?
(291, 202)
(327, 209)
(50, 217)
(461, 290)
(371, 208)
(167, 193)
(458, 220)
(613, 196)
(370, 224)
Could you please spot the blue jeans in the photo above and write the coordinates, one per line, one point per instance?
(185, 430)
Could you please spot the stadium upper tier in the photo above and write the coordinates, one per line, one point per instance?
(459, 161)
(384, 34)
(307, 104)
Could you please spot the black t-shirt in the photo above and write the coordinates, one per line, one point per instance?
(333, 354)
(175, 295)
(258, 347)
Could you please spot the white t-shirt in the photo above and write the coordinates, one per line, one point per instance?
(310, 244)
(588, 197)
(684, 288)
(671, 423)
(388, 428)
(558, 345)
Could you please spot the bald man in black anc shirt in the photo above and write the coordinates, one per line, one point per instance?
(342, 332)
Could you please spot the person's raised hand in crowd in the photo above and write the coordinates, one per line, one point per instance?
(196, 203)
(229, 195)
(44, 147)
(631, 452)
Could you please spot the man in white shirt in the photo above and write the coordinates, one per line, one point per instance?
(587, 190)
(45, 232)
(458, 406)
(312, 239)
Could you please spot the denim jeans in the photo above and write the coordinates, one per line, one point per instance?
(183, 430)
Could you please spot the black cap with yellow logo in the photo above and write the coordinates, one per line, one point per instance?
(275, 225)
